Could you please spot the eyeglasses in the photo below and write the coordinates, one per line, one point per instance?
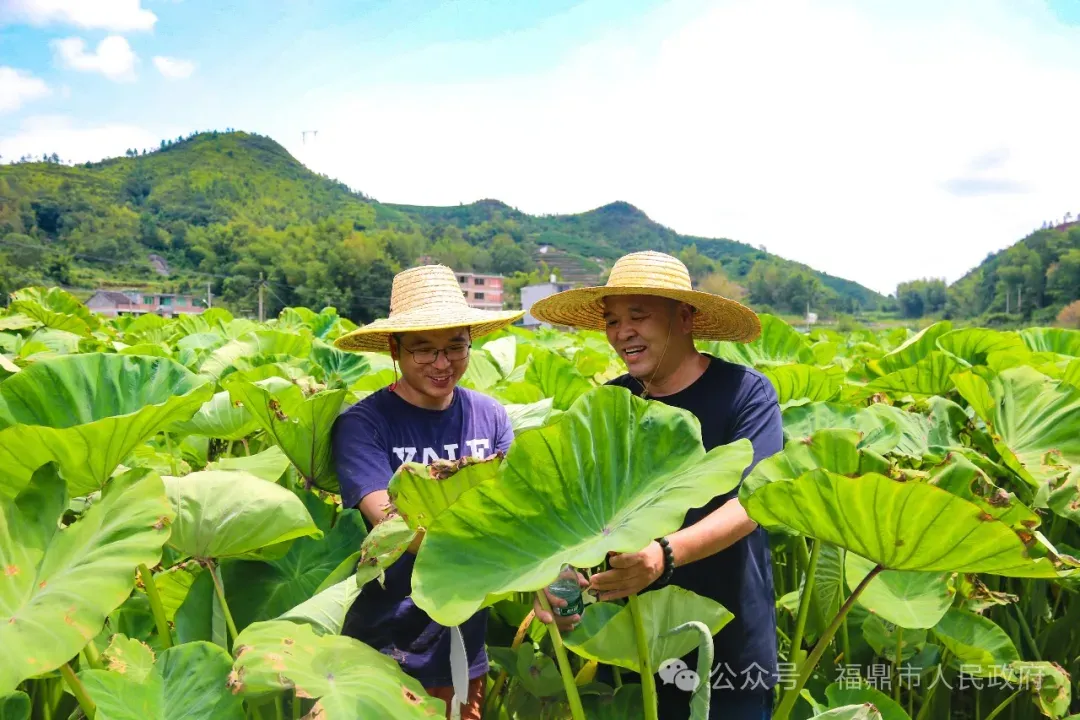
(428, 356)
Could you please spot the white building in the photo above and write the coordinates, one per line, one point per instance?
(532, 293)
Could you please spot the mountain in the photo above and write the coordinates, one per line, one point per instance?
(223, 208)
(1029, 281)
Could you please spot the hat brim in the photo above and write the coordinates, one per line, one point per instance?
(717, 318)
(375, 336)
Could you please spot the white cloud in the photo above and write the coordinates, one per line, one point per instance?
(174, 68)
(114, 15)
(74, 143)
(828, 133)
(18, 87)
(113, 58)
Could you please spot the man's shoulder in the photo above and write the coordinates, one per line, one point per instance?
(373, 408)
(477, 401)
(738, 377)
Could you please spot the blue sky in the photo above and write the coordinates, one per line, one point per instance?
(876, 140)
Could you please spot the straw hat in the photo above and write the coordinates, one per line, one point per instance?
(425, 298)
(658, 274)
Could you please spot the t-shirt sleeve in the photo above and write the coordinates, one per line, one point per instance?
(360, 457)
(504, 428)
(759, 420)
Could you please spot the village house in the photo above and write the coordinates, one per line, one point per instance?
(482, 291)
(112, 303)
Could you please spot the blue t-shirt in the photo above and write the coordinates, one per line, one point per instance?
(370, 441)
(732, 402)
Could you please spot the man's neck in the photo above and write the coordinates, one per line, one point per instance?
(684, 374)
(409, 394)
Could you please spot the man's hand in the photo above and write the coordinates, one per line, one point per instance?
(630, 573)
(565, 624)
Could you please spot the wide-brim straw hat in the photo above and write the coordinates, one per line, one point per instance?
(660, 275)
(426, 298)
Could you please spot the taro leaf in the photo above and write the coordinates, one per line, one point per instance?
(606, 631)
(901, 525)
(258, 590)
(840, 696)
(219, 418)
(481, 374)
(269, 464)
(503, 352)
(326, 610)
(421, 492)
(1064, 498)
(150, 349)
(972, 345)
(624, 704)
(18, 321)
(828, 594)
(833, 450)
(799, 384)
(883, 637)
(518, 393)
(58, 586)
(930, 376)
(252, 349)
(611, 474)
(1052, 686)
(532, 415)
(339, 368)
(877, 434)
(300, 426)
(1035, 420)
(864, 711)
(128, 657)
(779, 344)
(535, 671)
(15, 706)
(1056, 340)
(200, 616)
(57, 300)
(1071, 374)
(174, 584)
(50, 318)
(557, 378)
(964, 479)
(187, 681)
(223, 514)
(912, 351)
(824, 352)
(350, 679)
(88, 412)
(909, 599)
(980, 648)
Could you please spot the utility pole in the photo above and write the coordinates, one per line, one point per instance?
(209, 296)
(1020, 299)
(260, 297)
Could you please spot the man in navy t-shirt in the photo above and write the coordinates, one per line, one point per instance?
(652, 316)
(422, 417)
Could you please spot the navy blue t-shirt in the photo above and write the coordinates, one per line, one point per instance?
(732, 402)
(370, 441)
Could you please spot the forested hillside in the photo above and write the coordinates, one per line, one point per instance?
(220, 208)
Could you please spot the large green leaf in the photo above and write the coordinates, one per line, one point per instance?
(57, 300)
(340, 368)
(219, 417)
(532, 415)
(299, 425)
(482, 373)
(799, 384)
(59, 585)
(1061, 341)
(350, 679)
(326, 610)
(963, 478)
(187, 681)
(606, 631)
(223, 514)
(421, 492)
(15, 706)
(270, 464)
(912, 351)
(930, 376)
(503, 352)
(977, 644)
(900, 525)
(779, 344)
(557, 378)
(252, 349)
(878, 434)
(840, 696)
(263, 590)
(87, 412)
(972, 345)
(1035, 420)
(909, 599)
(610, 475)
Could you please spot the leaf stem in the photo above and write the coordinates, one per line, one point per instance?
(577, 711)
(899, 661)
(172, 458)
(155, 606)
(220, 590)
(804, 603)
(1004, 704)
(77, 689)
(93, 657)
(648, 682)
(788, 701)
(493, 696)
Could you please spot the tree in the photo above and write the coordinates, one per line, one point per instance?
(1069, 317)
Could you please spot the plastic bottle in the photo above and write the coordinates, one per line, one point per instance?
(567, 588)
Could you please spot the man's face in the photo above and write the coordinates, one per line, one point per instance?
(638, 327)
(433, 379)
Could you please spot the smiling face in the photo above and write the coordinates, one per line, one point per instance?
(640, 326)
(431, 384)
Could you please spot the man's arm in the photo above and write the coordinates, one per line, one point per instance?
(758, 422)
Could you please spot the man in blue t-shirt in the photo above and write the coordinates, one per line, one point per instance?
(652, 316)
(422, 417)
